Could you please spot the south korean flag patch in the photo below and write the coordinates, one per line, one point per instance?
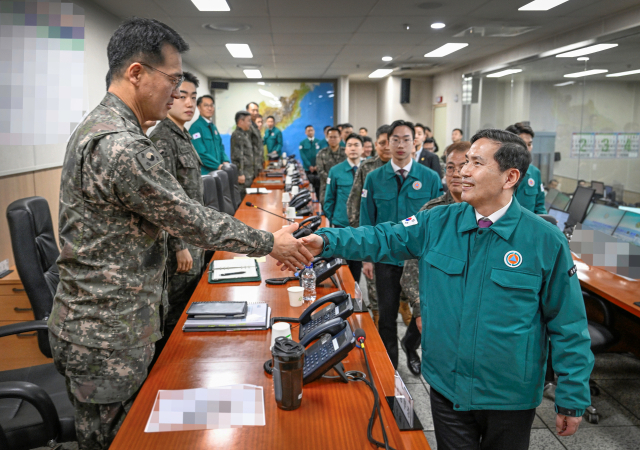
(196, 136)
(410, 221)
(364, 193)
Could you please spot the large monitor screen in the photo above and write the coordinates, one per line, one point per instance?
(603, 218)
(579, 205)
(598, 186)
(628, 229)
(561, 201)
(561, 217)
(630, 208)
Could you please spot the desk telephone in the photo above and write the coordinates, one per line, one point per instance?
(300, 200)
(341, 307)
(307, 226)
(323, 267)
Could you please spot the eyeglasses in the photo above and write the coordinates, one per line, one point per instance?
(396, 141)
(177, 82)
(453, 169)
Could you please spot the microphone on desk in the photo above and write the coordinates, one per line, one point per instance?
(274, 214)
(360, 336)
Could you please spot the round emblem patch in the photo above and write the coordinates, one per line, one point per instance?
(417, 185)
(531, 182)
(150, 156)
(512, 259)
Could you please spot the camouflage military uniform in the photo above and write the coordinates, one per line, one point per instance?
(410, 276)
(258, 148)
(115, 199)
(243, 156)
(325, 160)
(182, 161)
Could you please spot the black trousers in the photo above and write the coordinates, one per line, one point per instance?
(388, 287)
(479, 430)
(314, 179)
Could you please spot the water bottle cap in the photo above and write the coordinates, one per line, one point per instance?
(310, 266)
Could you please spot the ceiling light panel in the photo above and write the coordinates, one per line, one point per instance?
(624, 74)
(566, 83)
(211, 5)
(239, 50)
(586, 50)
(252, 73)
(585, 73)
(437, 25)
(445, 50)
(504, 73)
(387, 58)
(541, 5)
(380, 73)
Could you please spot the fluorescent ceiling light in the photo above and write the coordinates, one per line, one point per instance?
(585, 73)
(437, 25)
(624, 74)
(387, 58)
(583, 58)
(566, 48)
(586, 50)
(541, 5)
(211, 5)
(239, 50)
(445, 50)
(504, 73)
(380, 73)
(566, 83)
(252, 73)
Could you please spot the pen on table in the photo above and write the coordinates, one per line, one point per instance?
(231, 273)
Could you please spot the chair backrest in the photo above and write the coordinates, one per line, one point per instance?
(549, 218)
(211, 192)
(35, 252)
(227, 205)
(234, 188)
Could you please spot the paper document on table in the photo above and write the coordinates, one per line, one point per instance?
(256, 258)
(232, 406)
(258, 191)
(230, 269)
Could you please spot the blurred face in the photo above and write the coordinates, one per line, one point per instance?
(326, 135)
(244, 123)
(346, 131)
(401, 143)
(353, 149)
(334, 139)
(362, 132)
(155, 92)
(382, 147)
(310, 132)
(429, 146)
(367, 149)
(482, 180)
(259, 122)
(253, 110)
(206, 108)
(185, 106)
(419, 139)
(455, 163)
(526, 137)
(553, 184)
(270, 123)
(428, 133)
(456, 136)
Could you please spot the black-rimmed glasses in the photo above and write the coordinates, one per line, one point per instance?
(177, 82)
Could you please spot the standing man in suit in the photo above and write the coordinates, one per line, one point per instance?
(206, 139)
(256, 140)
(273, 140)
(309, 148)
(424, 156)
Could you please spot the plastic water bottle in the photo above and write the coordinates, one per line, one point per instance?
(308, 278)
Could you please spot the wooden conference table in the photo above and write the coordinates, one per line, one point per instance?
(333, 415)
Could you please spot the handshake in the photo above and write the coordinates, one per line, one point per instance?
(292, 253)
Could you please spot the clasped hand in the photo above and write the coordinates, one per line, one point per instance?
(292, 253)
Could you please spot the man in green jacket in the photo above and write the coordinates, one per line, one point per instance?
(530, 192)
(501, 282)
(205, 137)
(273, 139)
(309, 148)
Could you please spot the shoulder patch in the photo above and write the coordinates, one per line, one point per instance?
(149, 158)
(300, 147)
(572, 271)
(328, 180)
(364, 193)
(196, 136)
(410, 221)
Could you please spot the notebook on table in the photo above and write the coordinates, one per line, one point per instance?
(258, 318)
(217, 310)
(234, 271)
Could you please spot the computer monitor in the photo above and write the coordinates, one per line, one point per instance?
(603, 218)
(579, 204)
(598, 186)
(628, 229)
(561, 217)
(550, 197)
(630, 208)
(561, 201)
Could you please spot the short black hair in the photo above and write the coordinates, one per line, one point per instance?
(241, 115)
(402, 123)
(202, 97)
(382, 129)
(520, 128)
(364, 128)
(339, 127)
(429, 141)
(333, 129)
(108, 79)
(270, 117)
(428, 129)
(325, 128)
(143, 40)
(366, 139)
(259, 116)
(191, 78)
(419, 125)
(251, 103)
(305, 128)
(347, 125)
(461, 132)
(354, 136)
(512, 154)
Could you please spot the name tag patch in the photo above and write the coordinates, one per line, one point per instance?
(572, 271)
(410, 221)
(197, 136)
(364, 193)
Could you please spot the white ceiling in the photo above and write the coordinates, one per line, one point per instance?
(330, 38)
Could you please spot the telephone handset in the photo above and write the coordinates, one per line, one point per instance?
(300, 199)
(327, 352)
(341, 308)
(307, 226)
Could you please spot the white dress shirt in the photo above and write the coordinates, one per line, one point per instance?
(496, 215)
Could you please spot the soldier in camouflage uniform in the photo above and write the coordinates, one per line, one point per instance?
(256, 139)
(116, 198)
(327, 158)
(409, 281)
(173, 141)
(242, 152)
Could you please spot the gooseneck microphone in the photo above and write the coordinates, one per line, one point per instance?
(273, 214)
(360, 336)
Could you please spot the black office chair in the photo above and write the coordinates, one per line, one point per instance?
(234, 188)
(212, 193)
(34, 407)
(227, 205)
(549, 218)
